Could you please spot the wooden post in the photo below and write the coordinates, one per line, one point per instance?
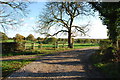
(57, 46)
(54, 45)
(40, 45)
(73, 42)
(63, 45)
(33, 45)
(25, 46)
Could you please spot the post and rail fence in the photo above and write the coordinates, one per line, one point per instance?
(41, 46)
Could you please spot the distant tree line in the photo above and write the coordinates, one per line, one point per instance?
(3, 36)
(87, 40)
(31, 38)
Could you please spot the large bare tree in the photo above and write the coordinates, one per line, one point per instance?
(63, 14)
(11, 13)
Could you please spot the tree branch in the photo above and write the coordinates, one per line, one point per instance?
(99, 9)
(55, 33)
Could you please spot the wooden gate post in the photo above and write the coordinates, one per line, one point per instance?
(57, 46)
(25, 46)
(73, 42)
(40, 45)
(63, 45)
(33, 45)
(54, 45)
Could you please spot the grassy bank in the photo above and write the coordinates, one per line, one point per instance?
(9, 66)
(110, 69)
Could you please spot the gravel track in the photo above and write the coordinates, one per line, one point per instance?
(68, 65)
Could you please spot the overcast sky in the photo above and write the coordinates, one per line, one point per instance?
(97, 30)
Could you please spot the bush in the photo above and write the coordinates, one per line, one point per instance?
(107, 50)
(109, 54)
(104, 44)
(19, 38)
(50, 40)
(3, 36)
(30, 37)
(110, 69)
(12, 47)
(119, 44)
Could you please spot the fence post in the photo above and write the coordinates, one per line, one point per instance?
(73, 42)
(57, 46)
(33, 45)
(54, 45)
(40, 45)
(25, 46)
(63, 45)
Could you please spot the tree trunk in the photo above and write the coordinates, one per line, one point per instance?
(70, 45)
(70, 40)
(112, 32)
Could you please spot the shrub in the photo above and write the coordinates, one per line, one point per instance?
(109, 54)
(104, 44)
(12, 47)
(50, 40)
(3, 36)
(30, 37)
(119, 44)
(107, 50)
(19, 38)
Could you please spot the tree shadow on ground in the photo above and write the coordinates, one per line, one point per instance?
(83, 59)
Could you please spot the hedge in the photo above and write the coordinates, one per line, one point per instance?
(8, 47)
(104, 44)
(119, 44)
(108, 51)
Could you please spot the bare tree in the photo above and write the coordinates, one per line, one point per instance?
(11, 13)
(63, 14)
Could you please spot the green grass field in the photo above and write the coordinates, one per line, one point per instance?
(76, 45)
(6, 41)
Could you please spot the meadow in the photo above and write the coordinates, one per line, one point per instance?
(48, 46)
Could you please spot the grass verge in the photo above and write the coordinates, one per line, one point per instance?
(9, 66)
(110, 69)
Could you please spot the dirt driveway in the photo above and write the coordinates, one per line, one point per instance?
(68, 65)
